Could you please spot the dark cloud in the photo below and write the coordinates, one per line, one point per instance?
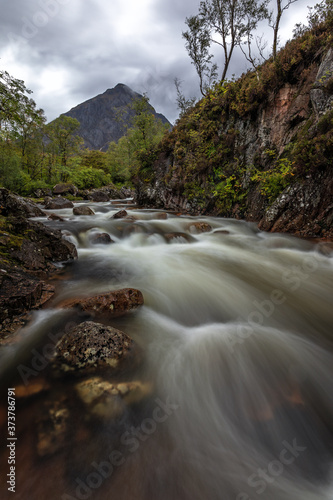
(68, 51)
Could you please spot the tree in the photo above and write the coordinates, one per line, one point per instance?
(232, 21)
(21, 126)
(198, 42)
(183, 104)
(137, 146)
(275, 22)
(63, 142)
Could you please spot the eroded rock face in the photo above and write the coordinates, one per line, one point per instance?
(108, 304)
(83, 210)
(305, 209)
(90, 347)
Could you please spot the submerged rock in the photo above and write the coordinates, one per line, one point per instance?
(52, 428)
(114, 303)
(180, 237)
(199, 227)
(83, 210)
(108, 400)
(101, 239)
(90, 346)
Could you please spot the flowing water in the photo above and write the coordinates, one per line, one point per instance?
(236, 333)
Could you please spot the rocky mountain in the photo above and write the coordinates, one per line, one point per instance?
(259, 148)
(106, 117)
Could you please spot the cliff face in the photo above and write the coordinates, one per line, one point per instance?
(106, 117)
(257, 149)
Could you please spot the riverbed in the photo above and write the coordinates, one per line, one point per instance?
(236, 336)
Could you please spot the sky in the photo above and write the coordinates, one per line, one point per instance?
(68, 51)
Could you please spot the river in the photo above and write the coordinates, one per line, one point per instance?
(236, 333)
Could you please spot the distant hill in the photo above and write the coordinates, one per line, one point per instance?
(106, 117)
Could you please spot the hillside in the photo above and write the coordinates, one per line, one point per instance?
(106, 117)
(259, 148)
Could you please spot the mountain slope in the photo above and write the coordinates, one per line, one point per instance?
(106, 117)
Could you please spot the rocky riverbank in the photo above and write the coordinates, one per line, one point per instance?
(30, 251)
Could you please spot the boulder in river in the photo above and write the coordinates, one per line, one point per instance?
(114, 303)
(58, 203)
(90, 346)
(99, 196)
(83, 210)
(65, 189)
(101, 239)
(120, 215)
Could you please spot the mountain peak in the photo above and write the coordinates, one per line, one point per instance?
(106, 117)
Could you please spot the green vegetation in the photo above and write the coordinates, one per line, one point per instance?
(136, 150)
(34, 155)
(207, 152)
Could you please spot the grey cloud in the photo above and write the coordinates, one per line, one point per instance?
(84, 41)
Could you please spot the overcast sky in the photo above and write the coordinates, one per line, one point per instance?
(68, 51)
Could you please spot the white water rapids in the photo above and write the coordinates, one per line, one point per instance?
(236, 332)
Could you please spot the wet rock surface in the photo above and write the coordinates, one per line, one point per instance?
(64, 189)
(58, 203)
(15, 205)
(120, 215)
(90, 347)
(83, 210)
(101, 239)
(106, 399)
(20, 292)
(200, 227)
(28, 250)
(110, 304)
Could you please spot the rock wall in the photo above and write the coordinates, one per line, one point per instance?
(298, 107)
